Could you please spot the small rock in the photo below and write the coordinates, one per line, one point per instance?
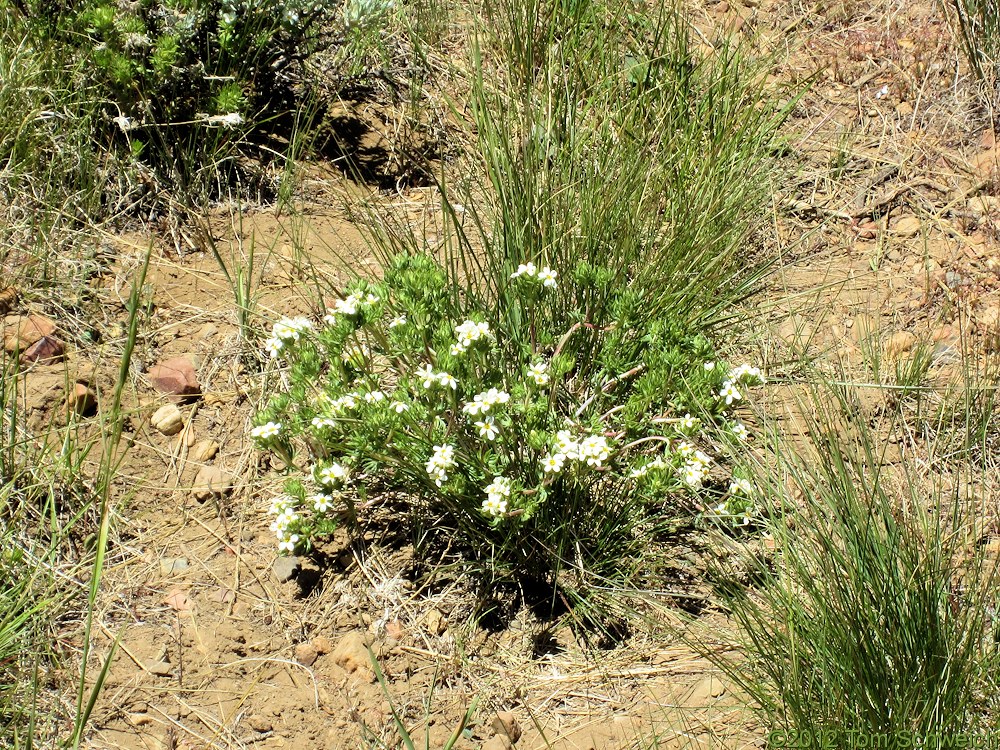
(175, 377)
(21, 331)
(171, 565)
(989, 316)
(900, 343)
(47, 349)
(160, 668)
(505, 725)
(168, 419)
(285, 568)
(81, 400)
(211, 482)
(203, 450)
(908, 226)
(8, 299)
(710, 687)
(259, 724)
(904, 109)
(954, 280)
(435, 622)
(322, 644)
(306, 654)
(139, 719)
(498, 743)
(351, 653)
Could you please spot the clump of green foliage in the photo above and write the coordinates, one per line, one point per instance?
(184, 84)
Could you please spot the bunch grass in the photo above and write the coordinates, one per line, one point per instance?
(875, 615)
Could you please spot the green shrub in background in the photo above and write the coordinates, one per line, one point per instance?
(979, 31)
(183, 82)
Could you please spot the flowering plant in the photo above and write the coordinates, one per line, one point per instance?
(529, 451)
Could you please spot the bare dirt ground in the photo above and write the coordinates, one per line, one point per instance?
(888, 250)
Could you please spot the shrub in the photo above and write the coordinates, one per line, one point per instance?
(496, 426)
(874, 621)
(183, 82)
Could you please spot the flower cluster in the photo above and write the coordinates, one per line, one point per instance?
(545, 276)
(266, 431)
(742, 375)
(285, 523)
(482, 402)
(592, 450)
(468, 333)
(332, 475)
(429, 378)
(695, 465)
(439, 463)
(350, 306)
(539, 374)
(497, 494)
(286, 331)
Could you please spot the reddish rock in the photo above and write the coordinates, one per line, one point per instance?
(46, 349)
(175, 377)
(21, 331)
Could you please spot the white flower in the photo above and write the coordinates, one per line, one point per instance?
(332, 475)
(687, 424)
(470, 332)
(280, 504)
(446, 381)
(373, 397)
(427, 375)
(566, 445)
(494, 507)
(273, 346)
(553, 464)
(709, 366)
(730, 393)
(594, 450)
(371, 299)
(692, 474)
(266, 431)
(439, 463)
(399, 407)
(321, 503)
(348, 305)
(525, 269)
(231, 120)
(740, 486)
(488, 429)
(639, 471)
(399, 320)
(288, 543)
(700, 459)
(457, 349)
(498, 489)
(740, 431)
(348, 401)
(320, 423)
(685, 448)
(289, 329)
(548, 278)
(746, 374)
(538, 373)
(475, 407)
(494, 397)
